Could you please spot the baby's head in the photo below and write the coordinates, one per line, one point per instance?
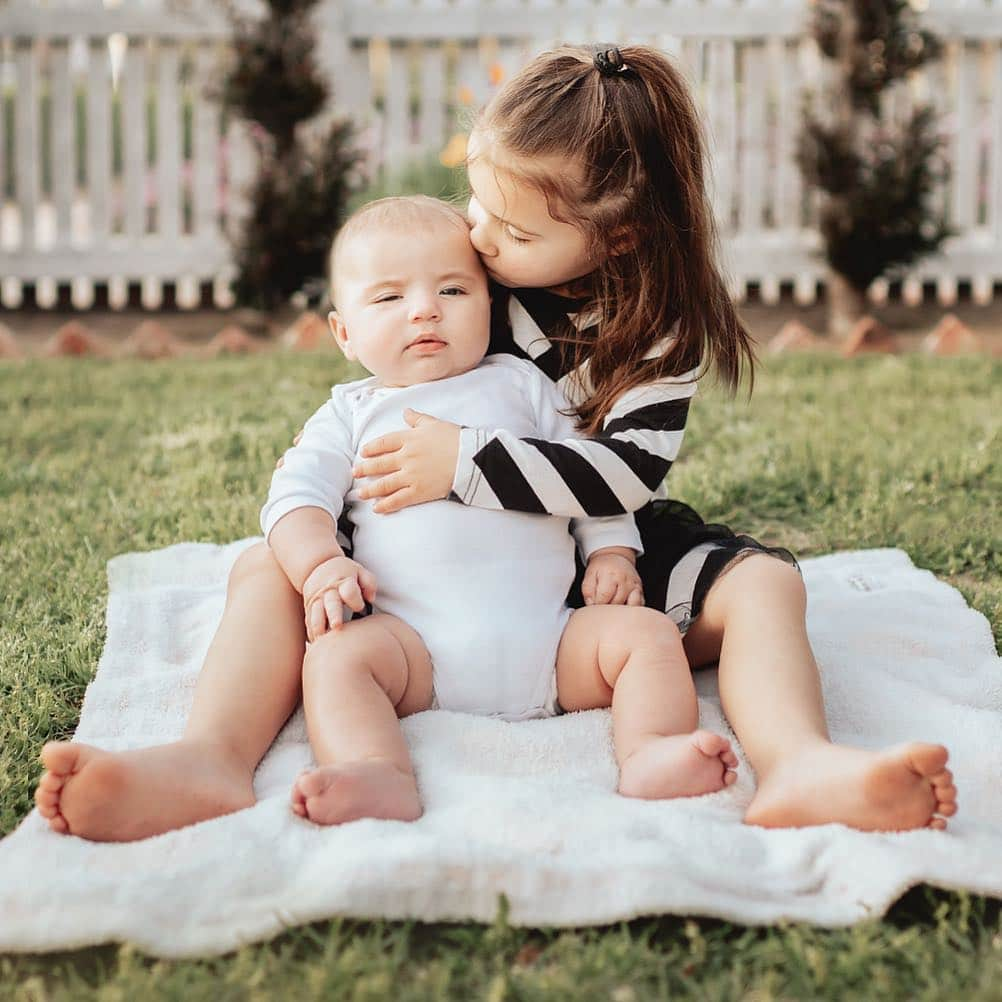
(410, 295)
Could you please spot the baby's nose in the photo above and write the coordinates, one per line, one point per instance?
(424, 308)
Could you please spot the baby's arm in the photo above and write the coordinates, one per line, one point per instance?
(300, 520)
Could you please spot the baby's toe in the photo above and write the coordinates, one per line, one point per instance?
(943, 778)
(945, 793)
(937, 823)
(948, 809)
(312, 784)
(730, 776)
(729, 758)
(711, 744)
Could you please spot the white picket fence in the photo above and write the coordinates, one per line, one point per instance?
(410, 72)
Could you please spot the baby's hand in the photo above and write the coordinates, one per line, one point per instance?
(335, 583)
(611, 578)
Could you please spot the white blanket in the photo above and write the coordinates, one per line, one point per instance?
(525, 810)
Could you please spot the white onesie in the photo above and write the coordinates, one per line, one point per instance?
(485, 589)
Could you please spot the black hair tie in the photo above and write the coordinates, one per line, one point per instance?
(609, 62)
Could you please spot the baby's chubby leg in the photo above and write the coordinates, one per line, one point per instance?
(632, 659)
(357, 680)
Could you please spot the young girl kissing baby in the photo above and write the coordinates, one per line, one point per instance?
(590, 213)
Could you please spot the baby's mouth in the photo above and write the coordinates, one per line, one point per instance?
(427, 342)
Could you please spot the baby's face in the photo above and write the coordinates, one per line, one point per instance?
(412, 306)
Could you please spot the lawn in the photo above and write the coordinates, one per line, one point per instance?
(105, 457)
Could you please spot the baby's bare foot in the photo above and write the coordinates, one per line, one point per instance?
(892, 790)
(683, 765)
(375, 788)
(124, 796)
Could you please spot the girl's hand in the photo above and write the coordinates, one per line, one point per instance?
(331, 586)
(611, 578)
(280, 462)
(413, 466)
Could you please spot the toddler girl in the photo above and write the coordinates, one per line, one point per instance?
(589, 206)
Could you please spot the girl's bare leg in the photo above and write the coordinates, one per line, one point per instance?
(632, 659)
(753, 622)
(356, 682)
(248, 686)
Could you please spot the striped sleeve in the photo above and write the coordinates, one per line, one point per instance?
(616, 471)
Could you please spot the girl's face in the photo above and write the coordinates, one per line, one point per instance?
(519, 242)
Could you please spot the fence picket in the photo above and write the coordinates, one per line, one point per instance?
(398, 112)
(205, 147)
(168, 142)
(964, 187)
(432, 98)
(27, 138)
(63, 145)
(995, 162)
(132, 87)
(98, 141)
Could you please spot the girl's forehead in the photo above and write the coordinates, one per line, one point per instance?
(508, 196)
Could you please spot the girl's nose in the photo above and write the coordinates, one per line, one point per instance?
(480, 235)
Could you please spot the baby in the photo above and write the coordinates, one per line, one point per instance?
(468, 605)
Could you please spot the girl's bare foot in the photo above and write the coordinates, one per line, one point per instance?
(892, 790)
(375, 788)
(124, 796)
(683, 765)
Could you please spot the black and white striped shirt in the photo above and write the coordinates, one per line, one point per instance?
(618, 470)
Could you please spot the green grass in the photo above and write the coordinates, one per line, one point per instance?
(104, 457)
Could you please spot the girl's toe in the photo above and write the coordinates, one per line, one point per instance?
(45, 800)
(58, 824)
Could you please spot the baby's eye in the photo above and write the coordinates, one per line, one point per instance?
(453, 290)
(516, 239)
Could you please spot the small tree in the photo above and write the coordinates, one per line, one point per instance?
(305, 174)
(877, 176)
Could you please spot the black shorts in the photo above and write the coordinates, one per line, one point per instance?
(683, 556)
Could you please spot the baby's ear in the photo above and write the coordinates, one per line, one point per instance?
(340, 333)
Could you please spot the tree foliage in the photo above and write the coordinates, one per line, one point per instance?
(306, 170)
(878, 174)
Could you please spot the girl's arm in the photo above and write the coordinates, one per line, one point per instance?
(616, 471)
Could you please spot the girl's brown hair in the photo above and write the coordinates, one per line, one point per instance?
(643, 202)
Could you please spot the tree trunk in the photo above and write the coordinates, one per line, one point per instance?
(846, 304)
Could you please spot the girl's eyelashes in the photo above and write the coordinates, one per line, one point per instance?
(454, 290)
